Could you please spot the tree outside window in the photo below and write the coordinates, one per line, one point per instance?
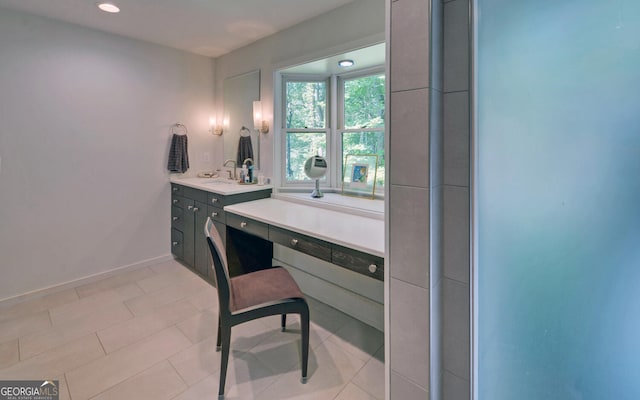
(362, 131)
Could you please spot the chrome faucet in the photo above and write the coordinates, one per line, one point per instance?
(235, 178)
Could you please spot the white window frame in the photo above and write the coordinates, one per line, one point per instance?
(284, 130)
(334, 126)
(340, 128)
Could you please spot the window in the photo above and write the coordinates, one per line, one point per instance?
(305, 123)
(362, 119)
(356, 125)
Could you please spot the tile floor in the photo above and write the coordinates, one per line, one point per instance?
(150, 334)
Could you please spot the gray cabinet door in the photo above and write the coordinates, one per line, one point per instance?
(188, 252)
(177, 243)
(200, 241)
(222, 229)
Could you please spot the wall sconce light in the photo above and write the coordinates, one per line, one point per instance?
(258, 121)
(214, 127)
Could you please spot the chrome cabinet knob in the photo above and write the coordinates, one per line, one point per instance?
(294, 242)
(214, 200)
(373, 268)
(195, 209)
(175, 189)
(243, 224)
(174, 244)
(214, 214)
(175, 218)
(175, 201)
(189, 207)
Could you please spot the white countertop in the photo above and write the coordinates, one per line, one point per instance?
(218, 185)
(353, 231)
(338, 202)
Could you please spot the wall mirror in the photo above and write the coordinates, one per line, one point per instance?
(239, 93)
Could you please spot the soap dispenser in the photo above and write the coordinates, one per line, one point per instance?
(250, 173)
(244, 175)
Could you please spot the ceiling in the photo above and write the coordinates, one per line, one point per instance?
(207, 27)
(367, 57)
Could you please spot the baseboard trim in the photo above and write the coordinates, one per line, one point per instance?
(34, 294)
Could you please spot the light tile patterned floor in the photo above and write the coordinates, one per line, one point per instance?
(150, 334)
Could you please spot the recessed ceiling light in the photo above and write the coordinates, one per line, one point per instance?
(109, 7)
(345, 63)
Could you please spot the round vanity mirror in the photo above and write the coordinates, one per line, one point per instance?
(315, 168)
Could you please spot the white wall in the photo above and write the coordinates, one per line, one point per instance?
(360, 23)
(84, 134)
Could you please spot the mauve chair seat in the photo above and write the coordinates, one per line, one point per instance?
(261, 287)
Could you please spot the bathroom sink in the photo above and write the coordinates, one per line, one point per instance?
(216, 181)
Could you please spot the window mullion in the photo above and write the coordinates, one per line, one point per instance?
(333, 118)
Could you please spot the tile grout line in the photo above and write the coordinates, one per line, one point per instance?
(127, 378)
(352, 382)
(100, 341)
(66, 381)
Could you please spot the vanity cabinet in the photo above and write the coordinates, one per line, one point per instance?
(190, 208)
(265, 234)
(188, 216)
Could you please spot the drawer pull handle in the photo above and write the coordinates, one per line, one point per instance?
(214, 200)
(175, 201)
(214, 214)
(373, 268)
(174, 244)
(195, 209)
(243, 224)
(175, 218)
(175, 189)
(189, 207)
(294, 242)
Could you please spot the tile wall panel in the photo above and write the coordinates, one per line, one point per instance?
(409, 150)
(409, 343)
(409, 45)
(456, 138)
(403, 389)
(455, 330)
(456, 46)
(456, 233)
(409, 234)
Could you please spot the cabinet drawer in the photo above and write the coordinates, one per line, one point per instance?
(217, 214)
(179, 201)
(248, 225)
(189, 193)
(177, 246)
(195, 194)
(357, 261)
(216, 200)
(177, 218)
(177, 189)
(302, 243)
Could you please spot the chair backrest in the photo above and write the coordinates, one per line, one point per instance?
(220, 267)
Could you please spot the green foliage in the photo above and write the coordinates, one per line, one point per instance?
(301, 146)
(364, 103)
(306, 105)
